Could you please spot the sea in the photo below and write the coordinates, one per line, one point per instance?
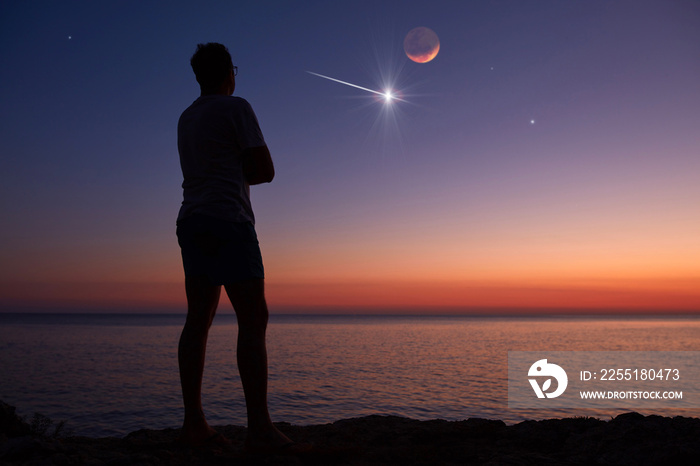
(111, 374)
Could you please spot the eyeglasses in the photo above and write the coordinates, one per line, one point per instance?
(235, 70)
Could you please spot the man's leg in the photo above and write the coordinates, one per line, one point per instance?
(248, 300)
(202, 300)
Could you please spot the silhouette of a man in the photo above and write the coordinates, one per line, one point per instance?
(222, 152)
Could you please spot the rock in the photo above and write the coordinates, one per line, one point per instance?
(10, 424)
(629, 439)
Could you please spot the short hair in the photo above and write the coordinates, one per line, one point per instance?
(211, 64)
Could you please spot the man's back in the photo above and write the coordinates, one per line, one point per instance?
(213, 134)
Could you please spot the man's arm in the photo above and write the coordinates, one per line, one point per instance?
(257, 165)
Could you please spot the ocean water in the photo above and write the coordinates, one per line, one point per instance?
(113, 374)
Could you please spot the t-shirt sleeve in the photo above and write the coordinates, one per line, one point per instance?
(247, 127)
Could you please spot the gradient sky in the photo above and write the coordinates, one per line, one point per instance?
(548, 158)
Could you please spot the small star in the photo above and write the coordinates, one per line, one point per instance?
(70, 37)
(532, 122)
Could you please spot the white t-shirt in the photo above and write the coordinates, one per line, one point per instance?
(211, 136)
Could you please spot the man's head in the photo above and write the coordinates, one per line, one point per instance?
(213, 68)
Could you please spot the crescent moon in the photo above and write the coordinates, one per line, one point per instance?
(421, 44)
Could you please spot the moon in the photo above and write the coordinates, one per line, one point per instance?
(421, 44)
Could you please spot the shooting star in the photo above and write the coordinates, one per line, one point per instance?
(388, 95)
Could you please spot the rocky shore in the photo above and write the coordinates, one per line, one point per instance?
(628, 439)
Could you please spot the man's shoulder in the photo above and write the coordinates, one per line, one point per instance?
(239, 104)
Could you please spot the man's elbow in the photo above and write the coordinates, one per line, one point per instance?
(266, 171)
(268, 167)
(265, 176)
(257, 166)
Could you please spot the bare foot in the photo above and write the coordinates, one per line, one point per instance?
(198, 436)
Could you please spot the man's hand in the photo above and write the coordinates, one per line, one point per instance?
(257, 165)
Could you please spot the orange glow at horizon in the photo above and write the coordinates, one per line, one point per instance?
(623, 295)
(429, 297)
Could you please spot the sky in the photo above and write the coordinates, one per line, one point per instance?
(547, 160)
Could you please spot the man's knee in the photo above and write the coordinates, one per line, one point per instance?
(254, 318)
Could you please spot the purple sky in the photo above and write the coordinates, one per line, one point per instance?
(547, 139)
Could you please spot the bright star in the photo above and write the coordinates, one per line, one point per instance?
(388, 95)
(384, 134)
